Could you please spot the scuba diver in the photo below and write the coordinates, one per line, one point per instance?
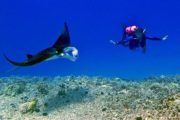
(135, 37)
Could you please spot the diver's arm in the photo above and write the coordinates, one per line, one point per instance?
(124, 43)
(156, 38)
(115, 43)
(123, 39)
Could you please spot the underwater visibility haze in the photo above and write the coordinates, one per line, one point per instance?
(30, 26)
(100, 78)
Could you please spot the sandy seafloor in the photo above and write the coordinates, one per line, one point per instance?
(89, 98)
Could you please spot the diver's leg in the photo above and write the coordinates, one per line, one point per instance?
(143, 44)
(131, 45)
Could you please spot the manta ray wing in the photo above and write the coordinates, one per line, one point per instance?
(64, 39)
(62, 42)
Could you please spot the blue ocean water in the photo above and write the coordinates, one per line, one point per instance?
(30, 26)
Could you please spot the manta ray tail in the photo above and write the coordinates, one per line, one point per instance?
(13, 62)
(9, 71)
(29, 56)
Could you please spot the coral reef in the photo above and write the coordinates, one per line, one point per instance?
(15, 89)
(42, 88)
(90, 98)
(30, 106)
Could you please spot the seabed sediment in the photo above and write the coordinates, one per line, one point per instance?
(89, 98)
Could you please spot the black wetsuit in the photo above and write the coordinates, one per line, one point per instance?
(135, 39)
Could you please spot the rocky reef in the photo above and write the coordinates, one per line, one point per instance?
(89, 98)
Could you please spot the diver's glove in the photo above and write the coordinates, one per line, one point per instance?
(165, 37)
(113, 42)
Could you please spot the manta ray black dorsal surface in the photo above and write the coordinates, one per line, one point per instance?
(62, 42)
(64, 39)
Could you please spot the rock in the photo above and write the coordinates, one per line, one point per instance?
(104, 109)
(15, 89)
(24, 99)
(62, 92)
(45, 114)
(29, 106)
(23, 108)
(42, 88)
(138, 118)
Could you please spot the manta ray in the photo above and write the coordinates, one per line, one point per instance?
(60, 49)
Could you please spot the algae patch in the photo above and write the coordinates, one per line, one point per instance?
(29, 106)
